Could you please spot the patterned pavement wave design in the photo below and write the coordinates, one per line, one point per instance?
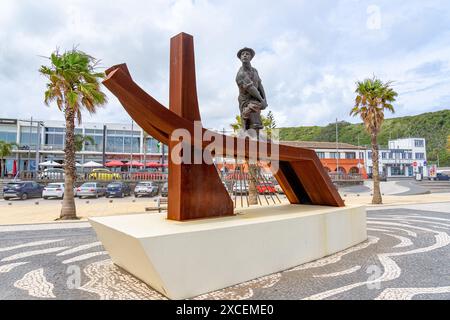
(405, 257)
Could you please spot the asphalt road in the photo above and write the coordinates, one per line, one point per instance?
(407, 256)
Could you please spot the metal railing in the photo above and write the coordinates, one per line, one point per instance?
(345, 176)
(47, 177)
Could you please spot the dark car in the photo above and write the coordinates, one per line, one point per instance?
(381, 176)
(22, 190)
(442, 176)
(165, 190)
(118, 189)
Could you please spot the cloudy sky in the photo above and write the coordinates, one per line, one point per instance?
(308, 53)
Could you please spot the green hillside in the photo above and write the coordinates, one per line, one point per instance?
(433, 126)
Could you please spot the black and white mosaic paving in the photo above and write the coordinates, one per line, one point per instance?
(407, 256)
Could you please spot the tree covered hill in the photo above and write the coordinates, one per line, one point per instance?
(433, 126)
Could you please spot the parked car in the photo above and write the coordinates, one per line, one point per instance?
(265, 187)
(103, 174)
(145, 188)
(442, 176)
(22, 190)
(382, 176)
(56, 190)
(240, 187)
(52, 174)
(118, 189)
(91, 189)
(165, 190)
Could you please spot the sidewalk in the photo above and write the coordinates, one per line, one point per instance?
(48, 212)
(397, 199)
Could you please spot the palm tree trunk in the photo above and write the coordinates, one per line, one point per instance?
(2, 168)
(68, 210)
(252, 191)
(375, 172)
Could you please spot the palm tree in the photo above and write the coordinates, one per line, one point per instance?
(75, 86)
(80, 140)
(5, 151)
(269, 125)
(373, 97)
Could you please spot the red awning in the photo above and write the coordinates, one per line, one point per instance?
(134, 164)
(114, 163)
(152, 165)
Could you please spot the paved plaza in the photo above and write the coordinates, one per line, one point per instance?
(405, 257)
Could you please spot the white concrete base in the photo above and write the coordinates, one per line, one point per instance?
(185, 259)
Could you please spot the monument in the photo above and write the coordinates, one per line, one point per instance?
(183, 254)
(252, 97)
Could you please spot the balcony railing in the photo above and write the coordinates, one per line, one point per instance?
(336, 177)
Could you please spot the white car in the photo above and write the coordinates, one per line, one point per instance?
(145, 188)
(240, 187)
(55, 190)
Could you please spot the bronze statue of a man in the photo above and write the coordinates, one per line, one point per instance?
(252, 98)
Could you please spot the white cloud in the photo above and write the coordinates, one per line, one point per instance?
(309, 54)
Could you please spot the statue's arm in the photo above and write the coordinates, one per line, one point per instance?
(263, 94)
(245, 83)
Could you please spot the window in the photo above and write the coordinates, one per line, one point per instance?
(369, 155)
(152, 146)
(321, 155)
(384, 155)
(121, 141)
(350, 155)
(93, 132)
(419, 143)
(8, 136)
(97, 146)
(420, 156)
(28, 136)
(335, 155)
(55, 138)
(361, 155)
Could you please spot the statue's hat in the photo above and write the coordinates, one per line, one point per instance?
(252, 52)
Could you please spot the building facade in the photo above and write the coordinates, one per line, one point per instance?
(344, 158)
(401, 158)
(40, 141)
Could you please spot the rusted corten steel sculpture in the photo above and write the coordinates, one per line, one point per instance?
(195, 190)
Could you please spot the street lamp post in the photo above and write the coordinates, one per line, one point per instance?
(104, 146)
(131, 154)
(337, 149)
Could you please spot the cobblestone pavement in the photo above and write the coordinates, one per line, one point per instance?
(407, 256)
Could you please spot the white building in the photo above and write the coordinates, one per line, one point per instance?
(402, 158)
(39, 141)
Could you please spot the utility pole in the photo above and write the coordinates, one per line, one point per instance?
(104, 146)
(131, 154)
(223, 156)
(29, 147)
(337, 148)
(359, 157)
(38, 145)
(163, 156)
